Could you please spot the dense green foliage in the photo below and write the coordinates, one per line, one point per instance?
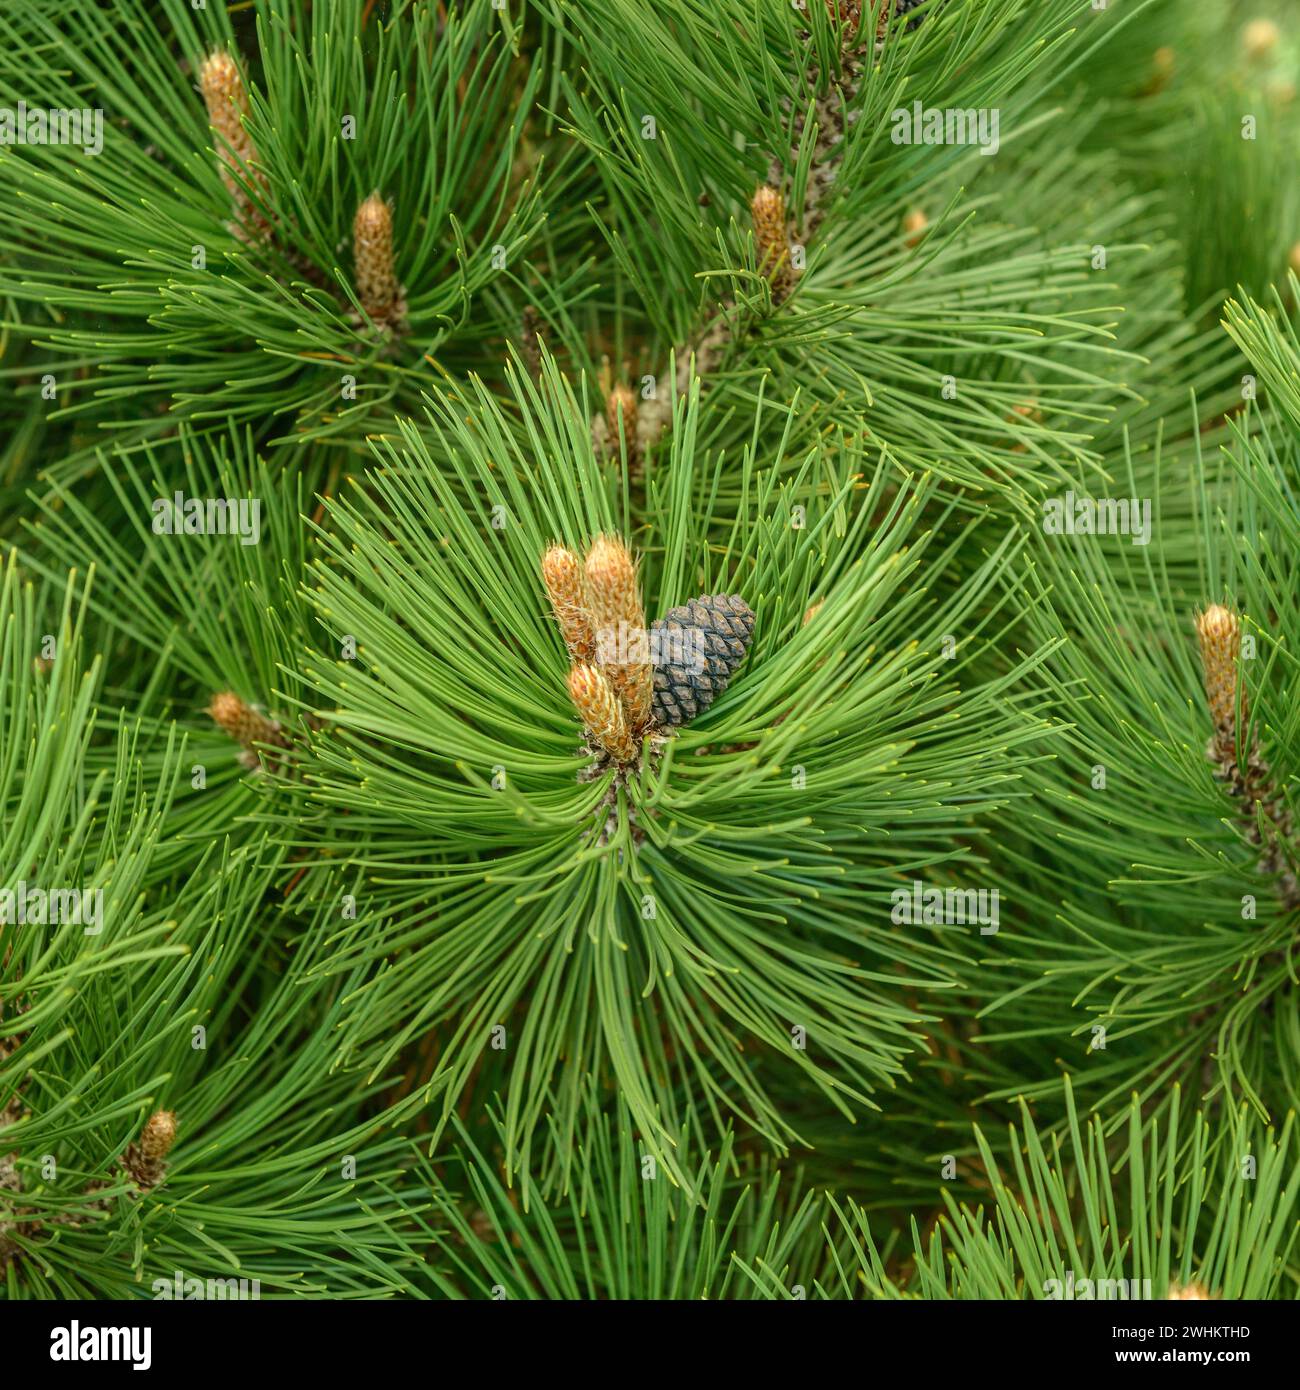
(447, 1004)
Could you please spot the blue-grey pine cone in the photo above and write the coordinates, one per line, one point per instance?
(696, 649)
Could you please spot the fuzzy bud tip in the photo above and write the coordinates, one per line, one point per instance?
(602, 712)
(562, 574)
(619, 627)
(158, 1135)
(226, 98)
(247, 726)
(611, 584)
(372, 254)
(767, 208)
(222, 88)
(1218, 630)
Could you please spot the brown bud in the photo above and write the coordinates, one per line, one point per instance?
(372, 255)
(1218, 631)
(767, 207)
(563, 577)
(145, 1160)
(158, 1135)
(530, 343)
(612, 593)
(914, 227)
(602, 712)
(242, 722)
(618, 622)
(225, 96)
(622, 399)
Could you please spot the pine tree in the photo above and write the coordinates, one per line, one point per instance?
(622, 676)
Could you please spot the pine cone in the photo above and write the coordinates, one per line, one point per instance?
(696, 649)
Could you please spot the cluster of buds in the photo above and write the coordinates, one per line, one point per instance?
(144, 1161)
(382, 298)
(597, 604)
(1236, 756)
